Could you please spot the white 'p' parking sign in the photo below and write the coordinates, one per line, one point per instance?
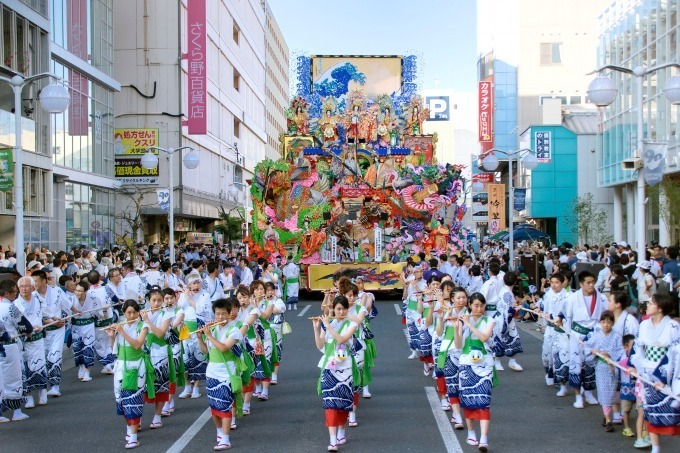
(438, 107)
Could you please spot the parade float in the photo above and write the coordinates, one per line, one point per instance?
(358, 187)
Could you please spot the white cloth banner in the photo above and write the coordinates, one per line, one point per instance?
(654, 160)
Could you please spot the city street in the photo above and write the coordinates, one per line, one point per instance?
(403, 414)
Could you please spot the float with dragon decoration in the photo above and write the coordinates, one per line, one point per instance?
(358, 188)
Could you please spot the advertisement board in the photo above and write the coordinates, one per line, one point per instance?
(332, 73)
(496, 207)
(377, 276)
(197, 58)
(485, 106)
(202, 238)
(129, 145)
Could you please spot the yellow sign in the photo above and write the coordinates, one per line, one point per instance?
(377, 276)
(134, 141)
(496, 207)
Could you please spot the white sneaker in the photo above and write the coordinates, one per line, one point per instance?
(81, 371)
(18, 416)
(589, 397)
(42, 400)
(413, 355)
(4, 419)
(195, 394)
(563, 391)
(578, 404)
(54, 391)
(30, 402)
(513, 365)
(365, 393)
(498, 366)
(549, 381)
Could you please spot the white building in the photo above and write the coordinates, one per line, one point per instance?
(157, 48)
(276, 85)
(68, 171)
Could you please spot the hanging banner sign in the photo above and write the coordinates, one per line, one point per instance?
(485, 93)
(197, 57)
(6, 169)
(654, 161)
(543, 147)
(520, 201)
(163, 199)
(496, 207)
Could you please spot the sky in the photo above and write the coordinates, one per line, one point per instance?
(442, 33)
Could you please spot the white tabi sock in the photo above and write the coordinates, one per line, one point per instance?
(616, 415)
(156, 418)
(656, 449)
(258, 389)
(187, 389)
(341, 433)
(225, 438)
(246, 406)
(128, 430)
(334, 440)
(472, 435)
(483, 439)
(265, 392)
(132, 438)
(219, 432)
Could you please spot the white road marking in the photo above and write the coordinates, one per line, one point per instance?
(445, 428)
(397, 308)
(304, 310)
(189, 434)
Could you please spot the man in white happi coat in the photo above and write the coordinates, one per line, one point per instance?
(212, 284)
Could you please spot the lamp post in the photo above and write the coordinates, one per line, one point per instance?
(490, 163)
(602, 91)
(150, 161)
(55, 99)
(235, 192)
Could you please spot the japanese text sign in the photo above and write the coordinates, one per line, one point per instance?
(197, 89)
(496, 206)
(485, 93)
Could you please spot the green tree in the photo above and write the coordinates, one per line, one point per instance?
(667, 205)
(231, 227)
(589, 221)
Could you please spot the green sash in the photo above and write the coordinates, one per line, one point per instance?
(443, 352)
(235, 380)
(578, 328)
(191, 325)
(285, 287)
(412, 304)
(82, 322)
(477, 343)
(329, 349)
(130, 375)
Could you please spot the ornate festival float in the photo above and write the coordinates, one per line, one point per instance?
(358, 187)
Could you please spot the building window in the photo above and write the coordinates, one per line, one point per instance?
(551, 53)
(237, 128)
(237, 80)
(236, 33)
(90, 216)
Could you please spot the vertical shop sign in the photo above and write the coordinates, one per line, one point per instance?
(197, 90)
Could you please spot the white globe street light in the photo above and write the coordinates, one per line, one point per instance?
(55, 98)
(191, 161)
(602, 91)
(672, 90)
(149, 161)
(530, 162)
(490, 162)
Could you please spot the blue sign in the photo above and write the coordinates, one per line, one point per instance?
(438, 107)
(520, 201)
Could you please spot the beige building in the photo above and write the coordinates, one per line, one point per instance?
(276, 84)
(151, 44)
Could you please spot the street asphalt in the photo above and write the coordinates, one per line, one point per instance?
(526, 416)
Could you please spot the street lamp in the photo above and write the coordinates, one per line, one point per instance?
(235, 192)
(55, 99)
(602, 92)
(150, 161)
(490, 163)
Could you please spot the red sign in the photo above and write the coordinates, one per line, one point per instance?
(197, 89)
(485, 93)
(484, 178)
(78, 112)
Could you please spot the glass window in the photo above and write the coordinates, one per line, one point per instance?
(89, 216)
(551, 53)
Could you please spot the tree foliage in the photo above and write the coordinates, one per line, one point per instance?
(589, 221)
(231, 227)
(129, 221)
(668, 205)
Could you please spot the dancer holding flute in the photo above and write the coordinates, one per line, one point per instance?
(338, 369)
(83, 330)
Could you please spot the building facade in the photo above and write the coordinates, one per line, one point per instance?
(156, 48)
(533, 54)
(634, 33)
(68, 172)
(276, 84)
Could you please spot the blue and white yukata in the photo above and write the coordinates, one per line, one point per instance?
(35, 366)
(54, 305)
(83, 331)
(194, 360)
(506, 341)
(104, 317)
(336, 382)
(132, 375)
(12, 363)
(446, 357)
(476, 371)
(657, 359)
(223, 379)
(606, 376)
(580, 321)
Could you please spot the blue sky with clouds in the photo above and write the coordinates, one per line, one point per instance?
(441, 32)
